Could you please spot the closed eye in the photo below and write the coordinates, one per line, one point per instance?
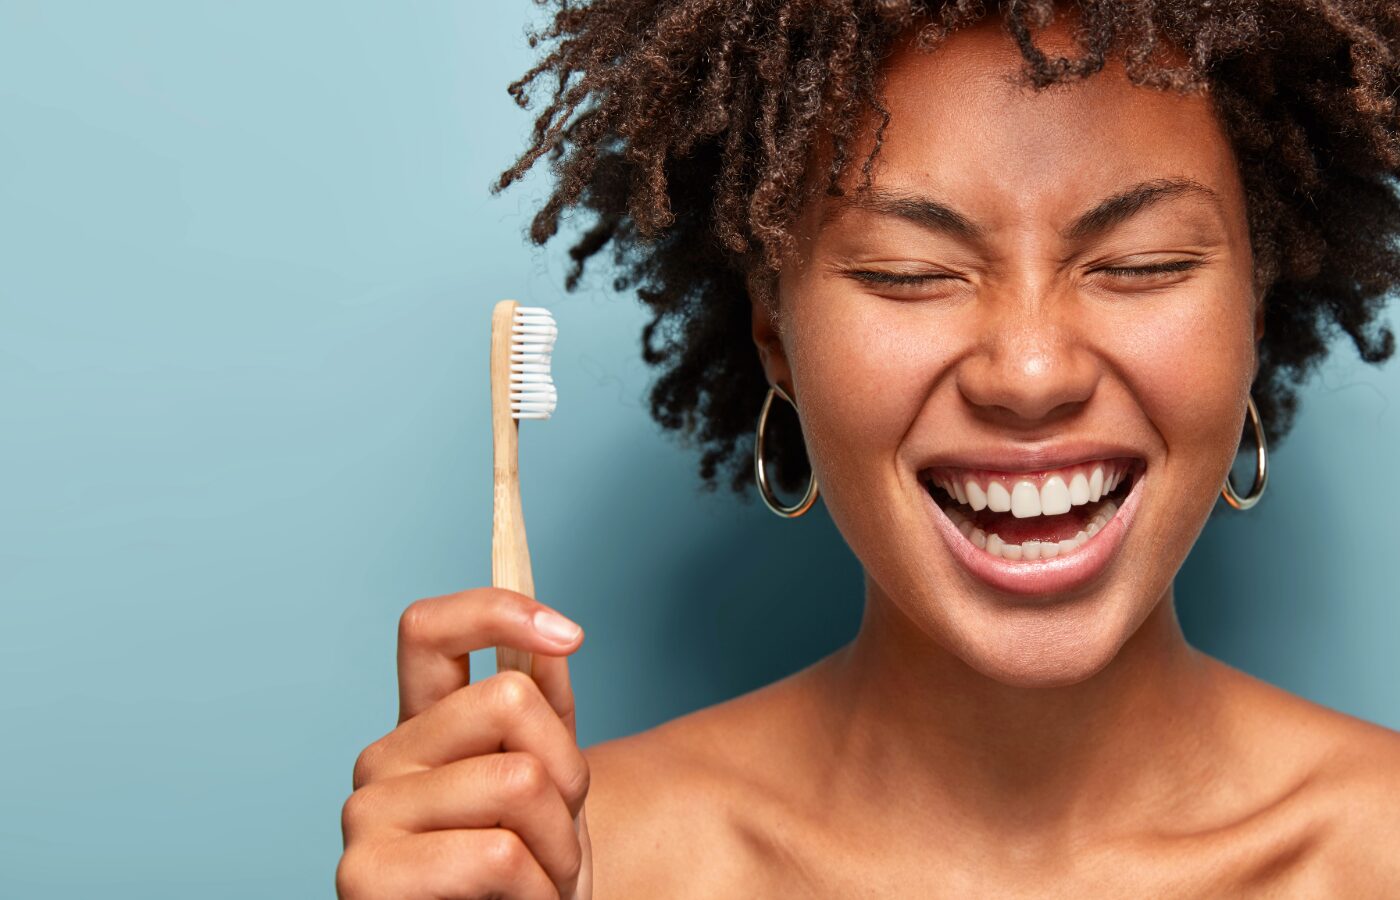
(1181, 265)
(873, 276)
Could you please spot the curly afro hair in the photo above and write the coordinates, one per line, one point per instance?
(685, 127)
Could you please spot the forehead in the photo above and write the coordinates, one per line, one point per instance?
(962, 125)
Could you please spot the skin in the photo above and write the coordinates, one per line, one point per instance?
(966, 742)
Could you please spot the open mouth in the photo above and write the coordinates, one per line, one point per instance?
(1018, 516)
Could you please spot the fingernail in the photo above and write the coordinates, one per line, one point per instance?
(555, 627)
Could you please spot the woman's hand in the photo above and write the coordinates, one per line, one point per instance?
(479, 790)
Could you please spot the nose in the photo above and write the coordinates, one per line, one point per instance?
(1032, 366)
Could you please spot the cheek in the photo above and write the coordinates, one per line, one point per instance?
(864, 372)
(1188, 365)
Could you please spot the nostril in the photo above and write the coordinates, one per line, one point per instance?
(1039, 384)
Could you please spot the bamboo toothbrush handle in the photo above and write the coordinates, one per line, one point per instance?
(510, 557)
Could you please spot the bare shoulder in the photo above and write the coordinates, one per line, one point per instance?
(669, 809)
(1348, 770)
(1359, 793)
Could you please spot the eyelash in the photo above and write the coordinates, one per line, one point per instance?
(899, 279)
(1159, 269)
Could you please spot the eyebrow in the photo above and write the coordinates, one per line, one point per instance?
(1108, 212)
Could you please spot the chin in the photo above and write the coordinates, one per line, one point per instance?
(1052, 649)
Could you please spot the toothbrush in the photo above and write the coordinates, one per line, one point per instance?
(522, 338)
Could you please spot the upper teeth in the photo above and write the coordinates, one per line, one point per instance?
(1044, 494)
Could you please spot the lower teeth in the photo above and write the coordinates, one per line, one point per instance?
(994, 545)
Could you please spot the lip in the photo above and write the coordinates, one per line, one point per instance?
(1038, 578)
(1029, 460)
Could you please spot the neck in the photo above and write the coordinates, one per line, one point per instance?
(916, 727)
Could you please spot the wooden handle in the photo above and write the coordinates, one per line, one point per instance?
(510, 557)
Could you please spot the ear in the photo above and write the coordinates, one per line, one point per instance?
(763, 300)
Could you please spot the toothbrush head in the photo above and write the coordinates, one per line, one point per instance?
(532, 392)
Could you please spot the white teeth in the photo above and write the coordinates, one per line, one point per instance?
(1025, 500)
(1057, 495)
(1029, 550)
(1079, 489)
(1054, 497)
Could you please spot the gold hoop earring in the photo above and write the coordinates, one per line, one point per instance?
(1261, 472)
(787, 512)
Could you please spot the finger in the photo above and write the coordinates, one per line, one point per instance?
(583, 886)
(437, 633)
(551, 673)
(451, 865)
(505, 712)
(510, 790)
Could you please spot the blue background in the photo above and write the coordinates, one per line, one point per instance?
(247, 257)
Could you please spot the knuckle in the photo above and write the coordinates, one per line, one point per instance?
(505, 854)
(507, 612)
(353, 877)
(576, 781)
(416, 623)
(514, 693)
(522, 776)
(511, 604)
(568, 706)
(366, 764)
(356, 813)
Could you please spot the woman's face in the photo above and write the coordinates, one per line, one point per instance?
(992, 314)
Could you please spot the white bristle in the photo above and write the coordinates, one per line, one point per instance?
(532, 392)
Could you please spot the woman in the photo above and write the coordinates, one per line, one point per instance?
(1026, 286)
